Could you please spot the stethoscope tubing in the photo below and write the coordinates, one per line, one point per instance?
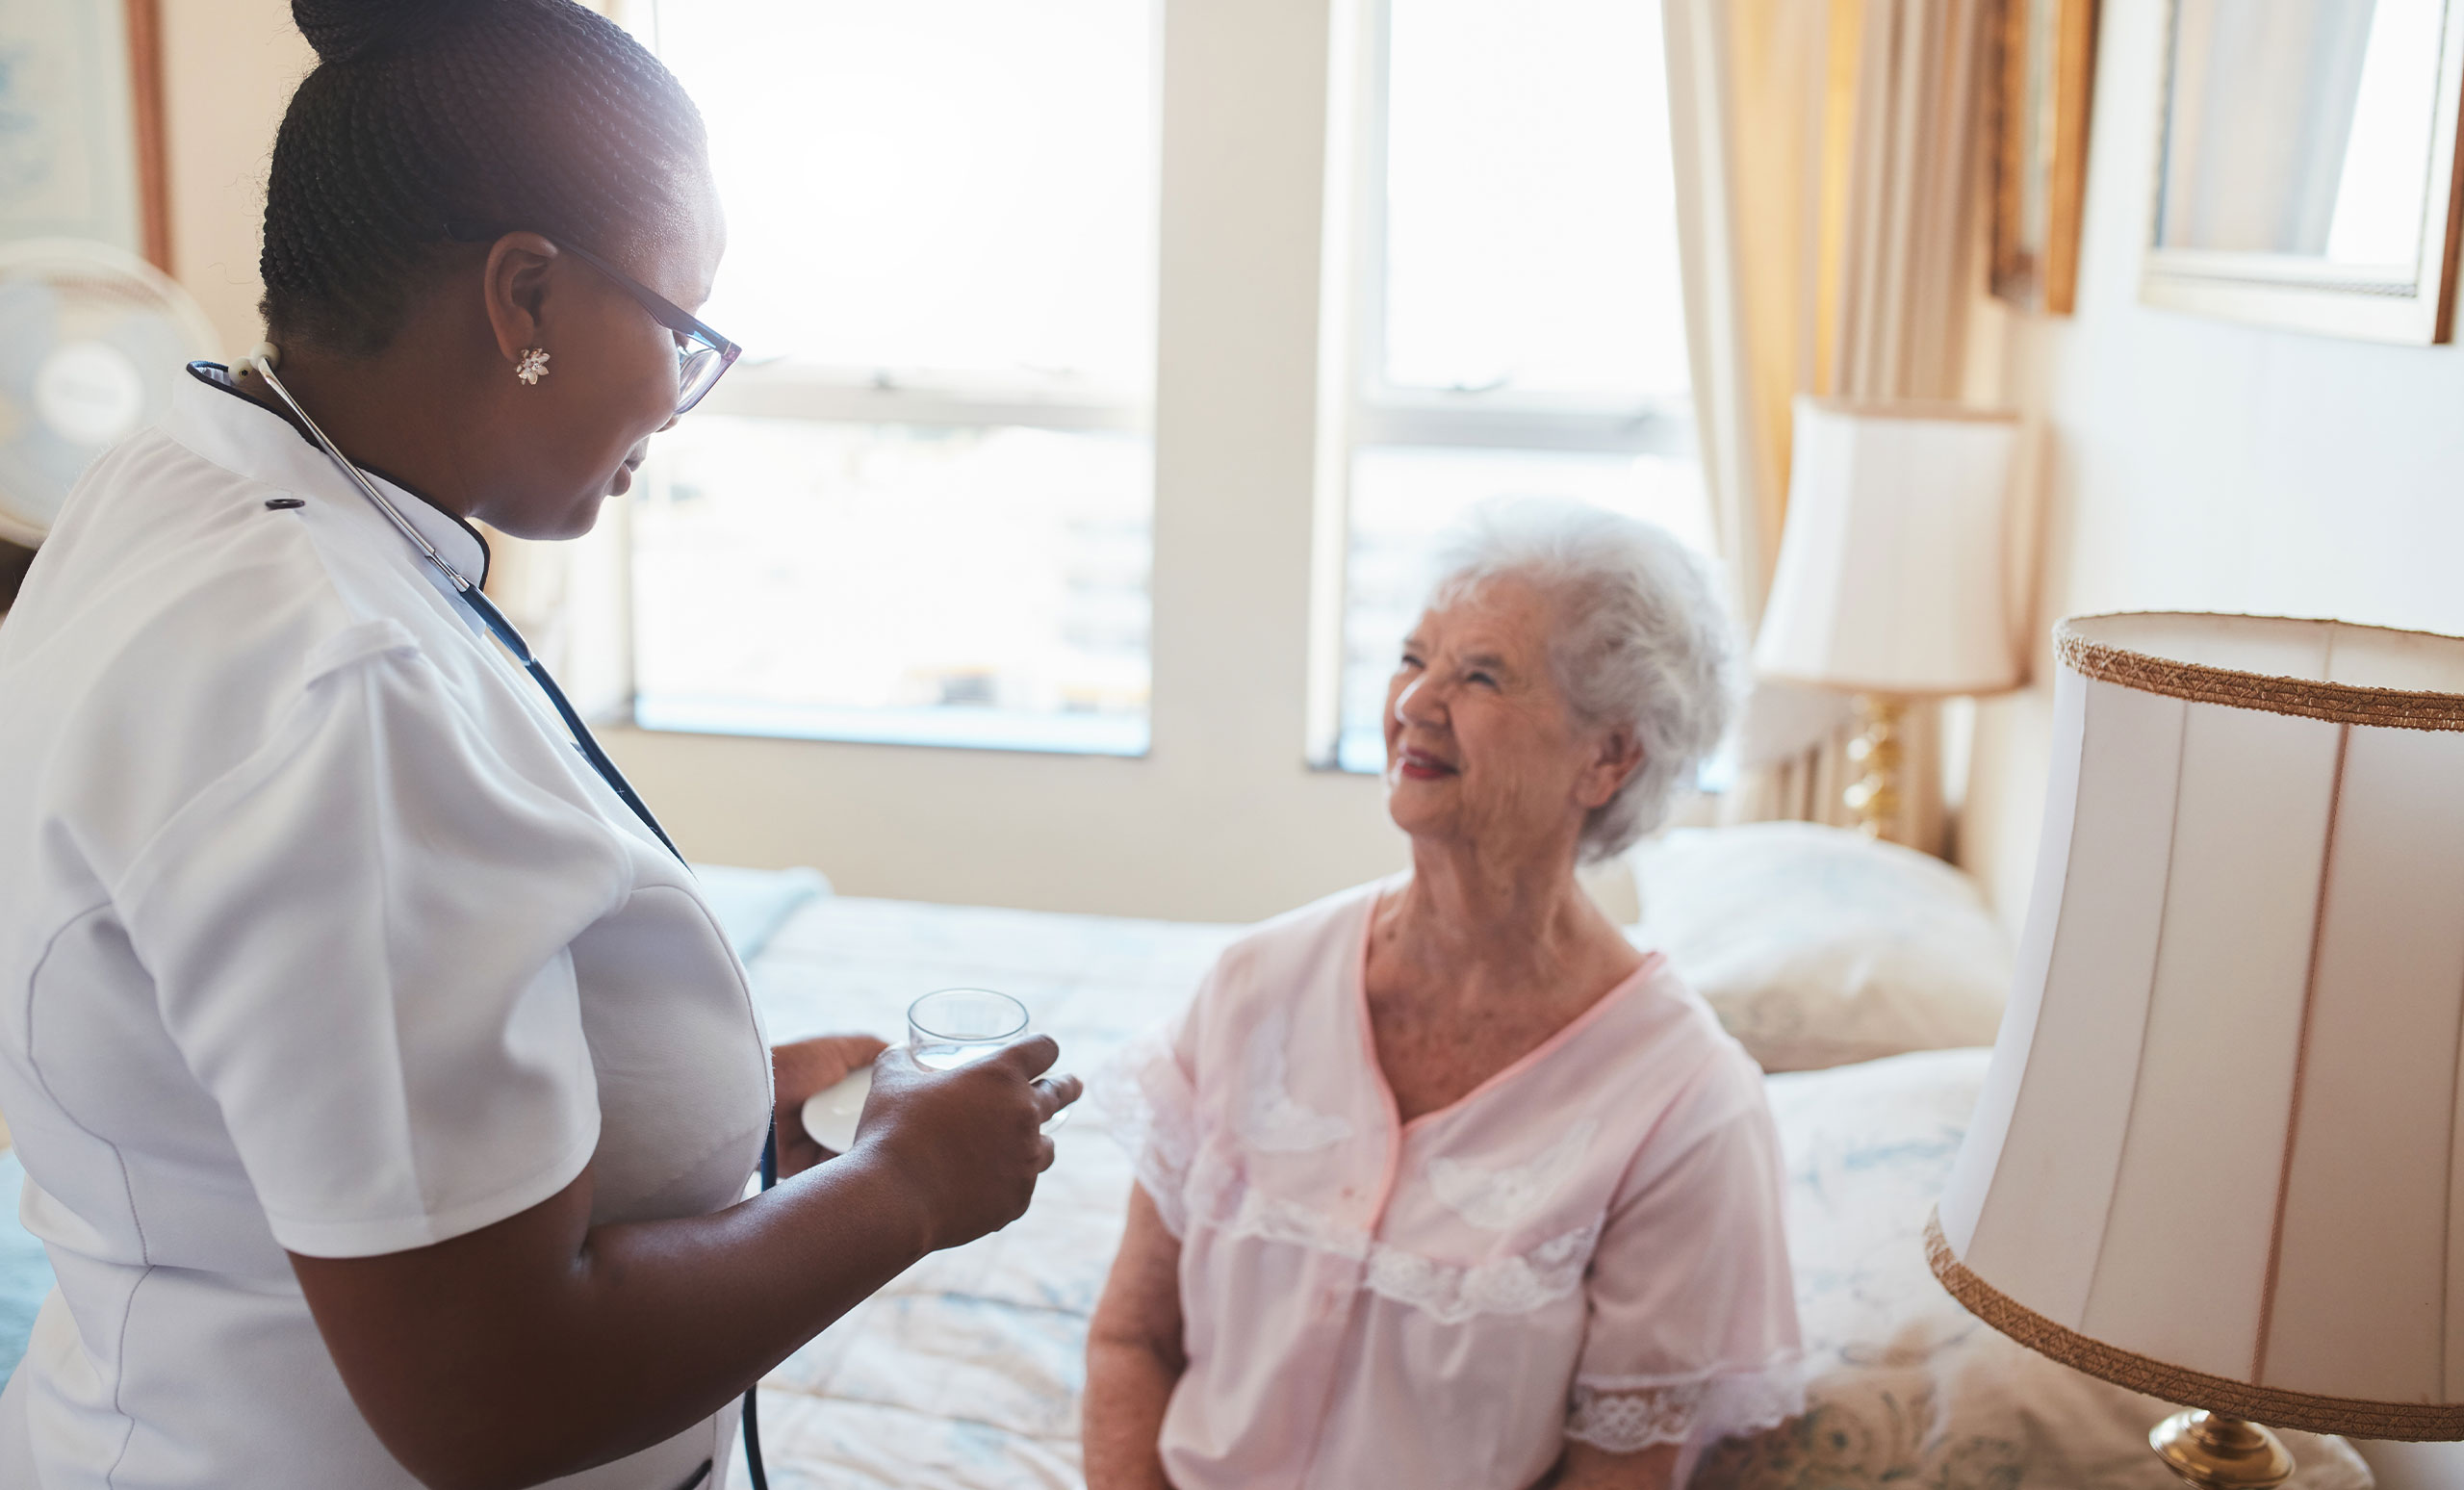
(476, 599)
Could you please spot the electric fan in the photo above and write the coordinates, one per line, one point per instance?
(92, 340)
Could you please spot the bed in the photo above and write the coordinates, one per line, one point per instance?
(965, 1373)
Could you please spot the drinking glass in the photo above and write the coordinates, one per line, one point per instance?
(955, 1026)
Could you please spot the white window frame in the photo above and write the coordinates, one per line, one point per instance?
(1377, 412)
(822, 395)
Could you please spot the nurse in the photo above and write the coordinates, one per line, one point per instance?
(385, 1088)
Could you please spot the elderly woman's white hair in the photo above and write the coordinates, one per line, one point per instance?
(1642, 640)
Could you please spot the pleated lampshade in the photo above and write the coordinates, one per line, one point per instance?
(2216, 1157)
(1890, 577)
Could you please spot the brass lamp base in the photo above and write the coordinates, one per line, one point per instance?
(1873, 798)
(2220, 1454)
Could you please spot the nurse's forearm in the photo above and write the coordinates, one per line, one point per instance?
(541, 1345)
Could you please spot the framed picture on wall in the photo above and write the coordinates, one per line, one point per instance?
(81, 131)
(2045, 73)
(2307, 166)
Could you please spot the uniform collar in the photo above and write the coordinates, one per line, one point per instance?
(212, 417)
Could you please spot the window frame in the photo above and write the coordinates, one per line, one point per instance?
(781, 388)
(1377, 413)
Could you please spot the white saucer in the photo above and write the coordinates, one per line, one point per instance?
(831, 1114)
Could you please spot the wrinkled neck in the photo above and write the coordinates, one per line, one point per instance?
(1484, 919)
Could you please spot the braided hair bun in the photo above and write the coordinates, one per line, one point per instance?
(526, 113)
(343, 30)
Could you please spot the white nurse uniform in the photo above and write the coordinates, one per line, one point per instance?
(316, 933)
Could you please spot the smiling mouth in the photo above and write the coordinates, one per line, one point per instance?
(1420, 766)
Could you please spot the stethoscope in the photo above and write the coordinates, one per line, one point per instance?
(262, 359)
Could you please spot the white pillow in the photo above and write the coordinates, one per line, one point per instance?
(1817, 946)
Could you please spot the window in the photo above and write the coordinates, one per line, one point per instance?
(919, 510)
(1519, 321)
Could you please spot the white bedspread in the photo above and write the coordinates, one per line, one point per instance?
(966, 1372)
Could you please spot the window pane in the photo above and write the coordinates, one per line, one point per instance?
(934, 186)
(1530, 222)
(1403, 498)
(965, 586)
(952, 192)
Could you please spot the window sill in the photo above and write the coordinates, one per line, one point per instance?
(1359, 752)
(956, 729)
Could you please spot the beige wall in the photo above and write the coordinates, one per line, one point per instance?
(2205, 465)
(228, 69)
(1223, 820)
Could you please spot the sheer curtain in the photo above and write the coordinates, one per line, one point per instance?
(1829, 176)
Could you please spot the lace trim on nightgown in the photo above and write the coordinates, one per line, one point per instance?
(1270, 1116)
(1505, 1199)
(1161, 1140)
(1451, 1293)
(1629, 1414)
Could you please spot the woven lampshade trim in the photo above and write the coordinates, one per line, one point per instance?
(2272, 1405)
(2346, 704)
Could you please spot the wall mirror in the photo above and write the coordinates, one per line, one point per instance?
(2307, 165)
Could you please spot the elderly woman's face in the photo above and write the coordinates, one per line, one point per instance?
(1481, 745)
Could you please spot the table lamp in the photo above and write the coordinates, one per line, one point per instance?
(2216, 1158)
(1891, 577)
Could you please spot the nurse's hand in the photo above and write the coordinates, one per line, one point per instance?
(802, 1068)
(968, 1141)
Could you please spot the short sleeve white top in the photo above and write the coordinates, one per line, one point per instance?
(1588, 1245)
(316, 932)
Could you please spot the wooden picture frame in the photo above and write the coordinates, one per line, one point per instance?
(2043, 83)
(153, 160)
(83, 152)
(2403, 290)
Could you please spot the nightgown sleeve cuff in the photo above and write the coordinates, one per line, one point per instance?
(1148, 1105)
(1629, 1414)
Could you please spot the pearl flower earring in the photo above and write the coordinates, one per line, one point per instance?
(533, 367)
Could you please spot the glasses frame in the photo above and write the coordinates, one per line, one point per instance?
(666, 312)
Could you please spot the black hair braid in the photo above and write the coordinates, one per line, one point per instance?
(530, 113)
(342, 29)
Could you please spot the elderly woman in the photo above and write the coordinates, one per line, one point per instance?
(1441, 1182)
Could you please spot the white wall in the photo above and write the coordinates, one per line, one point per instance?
(228, 69)
(2205, 465)
(1223, 820)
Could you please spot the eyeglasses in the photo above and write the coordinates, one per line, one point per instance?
(703, 356)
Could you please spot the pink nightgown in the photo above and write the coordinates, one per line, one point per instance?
(1588, 1245)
